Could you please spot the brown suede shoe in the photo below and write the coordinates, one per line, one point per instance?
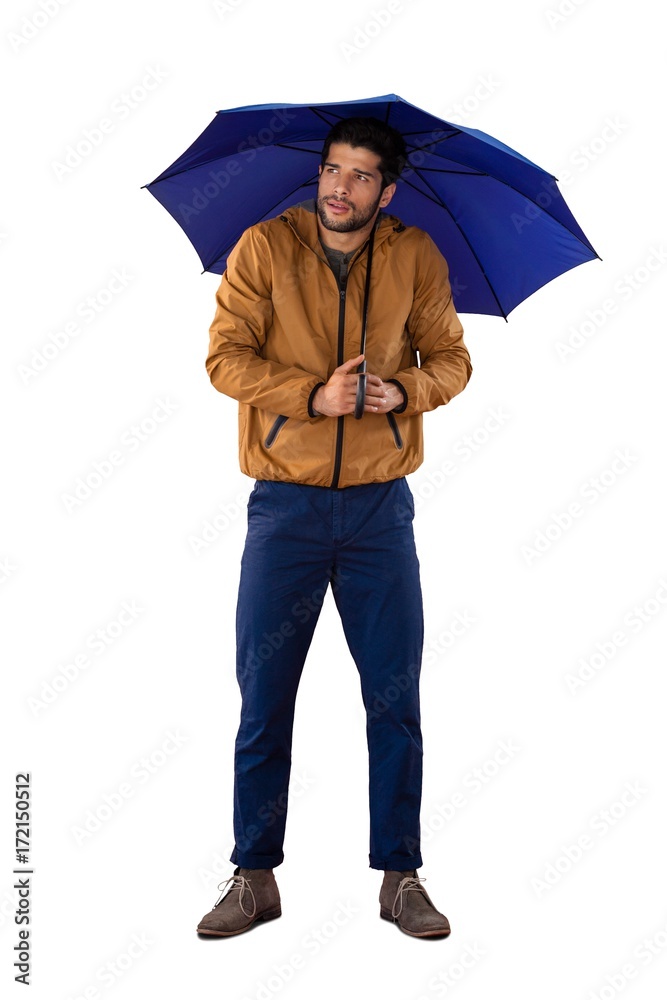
(405, 901)
(253, 895)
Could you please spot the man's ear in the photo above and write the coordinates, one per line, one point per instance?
(387, 195)
(319, 170)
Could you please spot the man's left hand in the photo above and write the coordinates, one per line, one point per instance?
(381, 397)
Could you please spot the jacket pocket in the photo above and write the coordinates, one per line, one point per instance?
(275, 430)
(398, 440)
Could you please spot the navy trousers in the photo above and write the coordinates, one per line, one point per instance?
(359, 540)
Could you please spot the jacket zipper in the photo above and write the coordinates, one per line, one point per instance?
(341, 345)
(341, 358)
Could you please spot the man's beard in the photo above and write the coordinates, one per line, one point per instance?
(356, 220)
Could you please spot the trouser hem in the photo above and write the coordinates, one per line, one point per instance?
(243, 860)
(396, 864)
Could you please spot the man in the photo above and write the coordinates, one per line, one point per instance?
(331, 505)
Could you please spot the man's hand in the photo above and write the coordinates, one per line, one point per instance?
(338, 396)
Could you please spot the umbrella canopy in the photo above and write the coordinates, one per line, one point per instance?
(498, 219)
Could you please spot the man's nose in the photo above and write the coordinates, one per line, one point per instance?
(341, 186)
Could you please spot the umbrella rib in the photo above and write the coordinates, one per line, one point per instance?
(499, 180)
(214, 159)
(299, 149)
(326, 121)
(430, 145)
(451, 134)
(340, 118)
(183, 170)
(447, 156)
(506, 152)
(227, 249)
(436, 197)
(466, 173)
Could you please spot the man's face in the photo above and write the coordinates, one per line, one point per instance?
(349, 192)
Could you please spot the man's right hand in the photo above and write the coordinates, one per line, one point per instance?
(339, 395)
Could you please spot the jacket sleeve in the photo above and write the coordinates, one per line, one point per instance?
(244, 314)
(436, 333)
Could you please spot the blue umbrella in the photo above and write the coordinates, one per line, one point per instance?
(498, 219)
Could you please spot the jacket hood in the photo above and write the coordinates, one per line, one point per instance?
(303, 220)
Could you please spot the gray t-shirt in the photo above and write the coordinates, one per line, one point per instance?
(338, 262)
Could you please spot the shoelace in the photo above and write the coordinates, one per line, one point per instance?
(411, 882)
(242, 883)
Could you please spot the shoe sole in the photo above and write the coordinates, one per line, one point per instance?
(386, 915)
(267, 915)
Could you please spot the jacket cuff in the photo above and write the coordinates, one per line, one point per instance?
(311, 412)
(399, 409)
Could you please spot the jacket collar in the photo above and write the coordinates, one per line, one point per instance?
(302, 219)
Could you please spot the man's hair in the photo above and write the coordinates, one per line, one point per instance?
(370, 133)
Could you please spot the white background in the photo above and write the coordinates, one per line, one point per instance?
(115, 910)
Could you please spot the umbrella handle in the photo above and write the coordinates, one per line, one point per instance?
(361, 394)
(361, 369)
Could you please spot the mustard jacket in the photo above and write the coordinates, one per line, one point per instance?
(281, 327)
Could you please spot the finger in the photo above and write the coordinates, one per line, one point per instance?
(374, 379)
(347, 366)
(377, 403)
